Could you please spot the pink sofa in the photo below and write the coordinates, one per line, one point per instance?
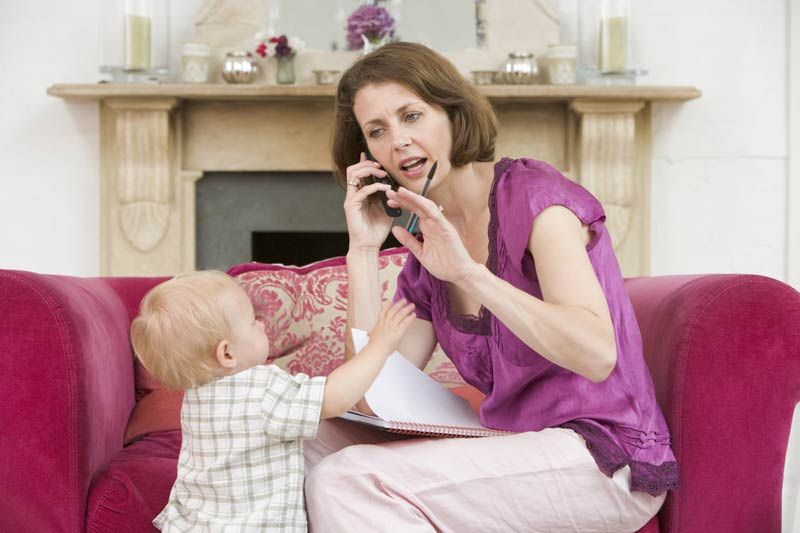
(724, 351)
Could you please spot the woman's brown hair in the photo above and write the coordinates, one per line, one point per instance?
(431, 77)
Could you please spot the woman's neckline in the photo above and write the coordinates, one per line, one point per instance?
(479, 324)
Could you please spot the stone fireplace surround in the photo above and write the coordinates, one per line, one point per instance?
(158, 140)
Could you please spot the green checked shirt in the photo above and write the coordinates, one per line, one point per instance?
(241, 462)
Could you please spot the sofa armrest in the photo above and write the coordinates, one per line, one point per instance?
(67, 385)
(724, 353)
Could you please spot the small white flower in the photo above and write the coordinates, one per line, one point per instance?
(296, 44)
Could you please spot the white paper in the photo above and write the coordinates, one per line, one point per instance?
(404, 393)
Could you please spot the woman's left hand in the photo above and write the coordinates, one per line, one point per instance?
(442, 252)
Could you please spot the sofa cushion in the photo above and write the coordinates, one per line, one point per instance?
(158, 410)
(131, 489)
(304, 310)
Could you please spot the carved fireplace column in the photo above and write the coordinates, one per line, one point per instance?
(140, 188)
(611, 159)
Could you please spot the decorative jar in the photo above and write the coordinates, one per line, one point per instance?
(326, 77)
(561, 64)
(239, 67)
(484, 77)
(195, 60)
(520, 68)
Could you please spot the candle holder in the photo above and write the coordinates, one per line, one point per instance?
(135, 40)
(606, 43)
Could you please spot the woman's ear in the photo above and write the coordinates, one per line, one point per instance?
(224, 356)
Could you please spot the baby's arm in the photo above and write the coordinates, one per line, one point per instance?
(348, 383)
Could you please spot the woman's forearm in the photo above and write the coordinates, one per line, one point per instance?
(363, 294)
(570, 336)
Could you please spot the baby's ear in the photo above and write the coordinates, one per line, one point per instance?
(224, 356)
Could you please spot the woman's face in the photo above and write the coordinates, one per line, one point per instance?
(404, 133)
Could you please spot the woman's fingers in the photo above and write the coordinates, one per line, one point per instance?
(422, 205)
(407, 240)
(357, 174)
(363, 169)
(411, 201)
(361, 194)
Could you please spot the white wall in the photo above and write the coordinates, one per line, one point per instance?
(48, 150)
(719, 170)
(719, 163)
(49, 154)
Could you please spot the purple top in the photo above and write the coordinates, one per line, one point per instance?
(618, 418)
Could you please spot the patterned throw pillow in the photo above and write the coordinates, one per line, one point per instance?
(304, 310)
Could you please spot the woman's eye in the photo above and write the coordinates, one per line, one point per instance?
(411, 117)
(375, 133)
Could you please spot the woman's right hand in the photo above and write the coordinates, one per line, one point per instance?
(367, 223)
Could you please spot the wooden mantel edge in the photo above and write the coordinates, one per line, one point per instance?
(499, 93)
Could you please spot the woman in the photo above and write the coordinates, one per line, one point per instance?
(516, 278)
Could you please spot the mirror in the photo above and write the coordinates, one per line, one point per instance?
(444, 25)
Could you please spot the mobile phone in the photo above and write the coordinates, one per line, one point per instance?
(393, 212)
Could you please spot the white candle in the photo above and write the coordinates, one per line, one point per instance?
(137, 42)
(613, 44)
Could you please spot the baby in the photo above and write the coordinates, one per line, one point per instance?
(243, 422)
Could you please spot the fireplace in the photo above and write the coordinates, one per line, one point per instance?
(293, 218)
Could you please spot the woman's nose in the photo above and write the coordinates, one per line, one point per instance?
(402, 141)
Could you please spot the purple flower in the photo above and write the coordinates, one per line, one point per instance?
(373, 22)
(282, 48)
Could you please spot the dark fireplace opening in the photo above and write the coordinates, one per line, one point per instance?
(303, 247)
(293, 218)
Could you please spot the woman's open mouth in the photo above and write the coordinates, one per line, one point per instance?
(414, 168)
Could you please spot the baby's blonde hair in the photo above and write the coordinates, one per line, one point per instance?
(181, 321)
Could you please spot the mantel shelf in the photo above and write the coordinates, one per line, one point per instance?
(515, 93)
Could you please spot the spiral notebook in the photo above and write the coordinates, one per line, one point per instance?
(406, 400)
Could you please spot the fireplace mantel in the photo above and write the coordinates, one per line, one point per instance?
(158, 140)
(517, 93)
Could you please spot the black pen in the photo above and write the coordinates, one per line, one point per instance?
(411, 226)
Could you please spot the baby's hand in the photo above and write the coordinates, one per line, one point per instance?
(392, 325)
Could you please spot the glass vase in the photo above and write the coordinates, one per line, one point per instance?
(285, 72)
(135, 40)
(373, 44)
(606, 43)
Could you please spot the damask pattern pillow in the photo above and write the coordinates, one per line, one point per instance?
(304, 310)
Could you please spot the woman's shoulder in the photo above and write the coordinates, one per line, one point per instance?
(525, 173)
(538, 185)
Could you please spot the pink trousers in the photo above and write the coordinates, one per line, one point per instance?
(360, 479)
